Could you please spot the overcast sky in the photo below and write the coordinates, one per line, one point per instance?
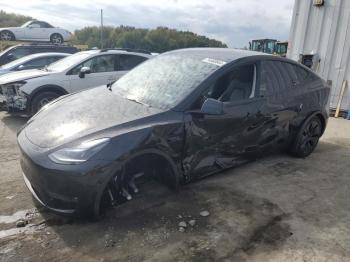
(233, 21)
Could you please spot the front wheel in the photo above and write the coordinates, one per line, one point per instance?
(56, 39)
(42, 99)
(7, 36)
(307, 138)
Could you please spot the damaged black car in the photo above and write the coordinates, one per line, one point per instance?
(181, 116)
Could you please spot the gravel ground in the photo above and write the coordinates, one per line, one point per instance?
(278, 208)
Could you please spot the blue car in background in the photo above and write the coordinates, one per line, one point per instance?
(34, 61)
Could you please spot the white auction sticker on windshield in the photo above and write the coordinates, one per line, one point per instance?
(214, 61)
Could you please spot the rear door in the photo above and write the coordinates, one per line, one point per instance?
(278, 84)
(103, 71)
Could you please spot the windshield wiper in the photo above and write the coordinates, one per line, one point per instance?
(109, 85)
(44, 69)
(134, 100)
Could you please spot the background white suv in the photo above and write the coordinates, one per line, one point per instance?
(35, 31)
(29, 90)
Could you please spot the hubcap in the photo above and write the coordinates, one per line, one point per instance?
(6, 36)
(45, 101)
(56, 39)
(310, 137)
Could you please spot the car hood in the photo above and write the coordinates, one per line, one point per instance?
(4, 71)
(7, 28)
(81, 114)
(22, 75)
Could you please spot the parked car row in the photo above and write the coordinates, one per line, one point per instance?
(18, 51)
(177, 117)
(27, 91)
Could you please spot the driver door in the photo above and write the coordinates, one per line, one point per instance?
(103, 71)
(216, 142)
(34, 31)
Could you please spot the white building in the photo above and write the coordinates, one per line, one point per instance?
(321, 28)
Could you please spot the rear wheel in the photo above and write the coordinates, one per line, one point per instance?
(307, 138)
(56, 39)
(42, 99)
(7, 36)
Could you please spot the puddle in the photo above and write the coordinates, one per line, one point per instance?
(29, 229)
(22, 214)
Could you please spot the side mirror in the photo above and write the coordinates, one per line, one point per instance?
(212, 107)
(10, 56)
(84, 70)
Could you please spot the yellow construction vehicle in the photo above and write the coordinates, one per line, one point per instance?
(269, 46)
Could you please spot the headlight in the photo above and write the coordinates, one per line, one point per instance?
(80, 153)
(17, 85)
(12, 89)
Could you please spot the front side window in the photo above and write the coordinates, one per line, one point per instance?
(128, 62)
(35, 25)
(236, 85)
(98, 64)
(68, 62)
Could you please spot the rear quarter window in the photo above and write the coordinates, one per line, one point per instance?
(128, 62)
(301, 73)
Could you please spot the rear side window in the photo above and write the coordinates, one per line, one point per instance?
(128, 62)
(301, 72)
(279, 77)
(98, 64)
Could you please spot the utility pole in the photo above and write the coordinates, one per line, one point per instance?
(101, 33)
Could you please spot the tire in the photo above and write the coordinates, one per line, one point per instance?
(42, 99)
(7, 36)
(56, 39)
(307, 138)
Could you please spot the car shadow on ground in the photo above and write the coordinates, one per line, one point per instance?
(14, 122)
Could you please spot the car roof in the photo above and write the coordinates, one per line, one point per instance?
(115, 51)
(224, 54)
(47, 54)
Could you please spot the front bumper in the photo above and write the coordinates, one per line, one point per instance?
(63, 189)
(31, 189)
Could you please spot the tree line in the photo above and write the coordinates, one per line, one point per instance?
(10, 19)
(157, 40)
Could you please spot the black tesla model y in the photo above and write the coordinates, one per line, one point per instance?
(183, 115)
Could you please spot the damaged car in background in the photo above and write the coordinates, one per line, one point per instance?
(181, 116)
(27, 91)
(25, 63)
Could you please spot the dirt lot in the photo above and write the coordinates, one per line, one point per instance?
(275, 209)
